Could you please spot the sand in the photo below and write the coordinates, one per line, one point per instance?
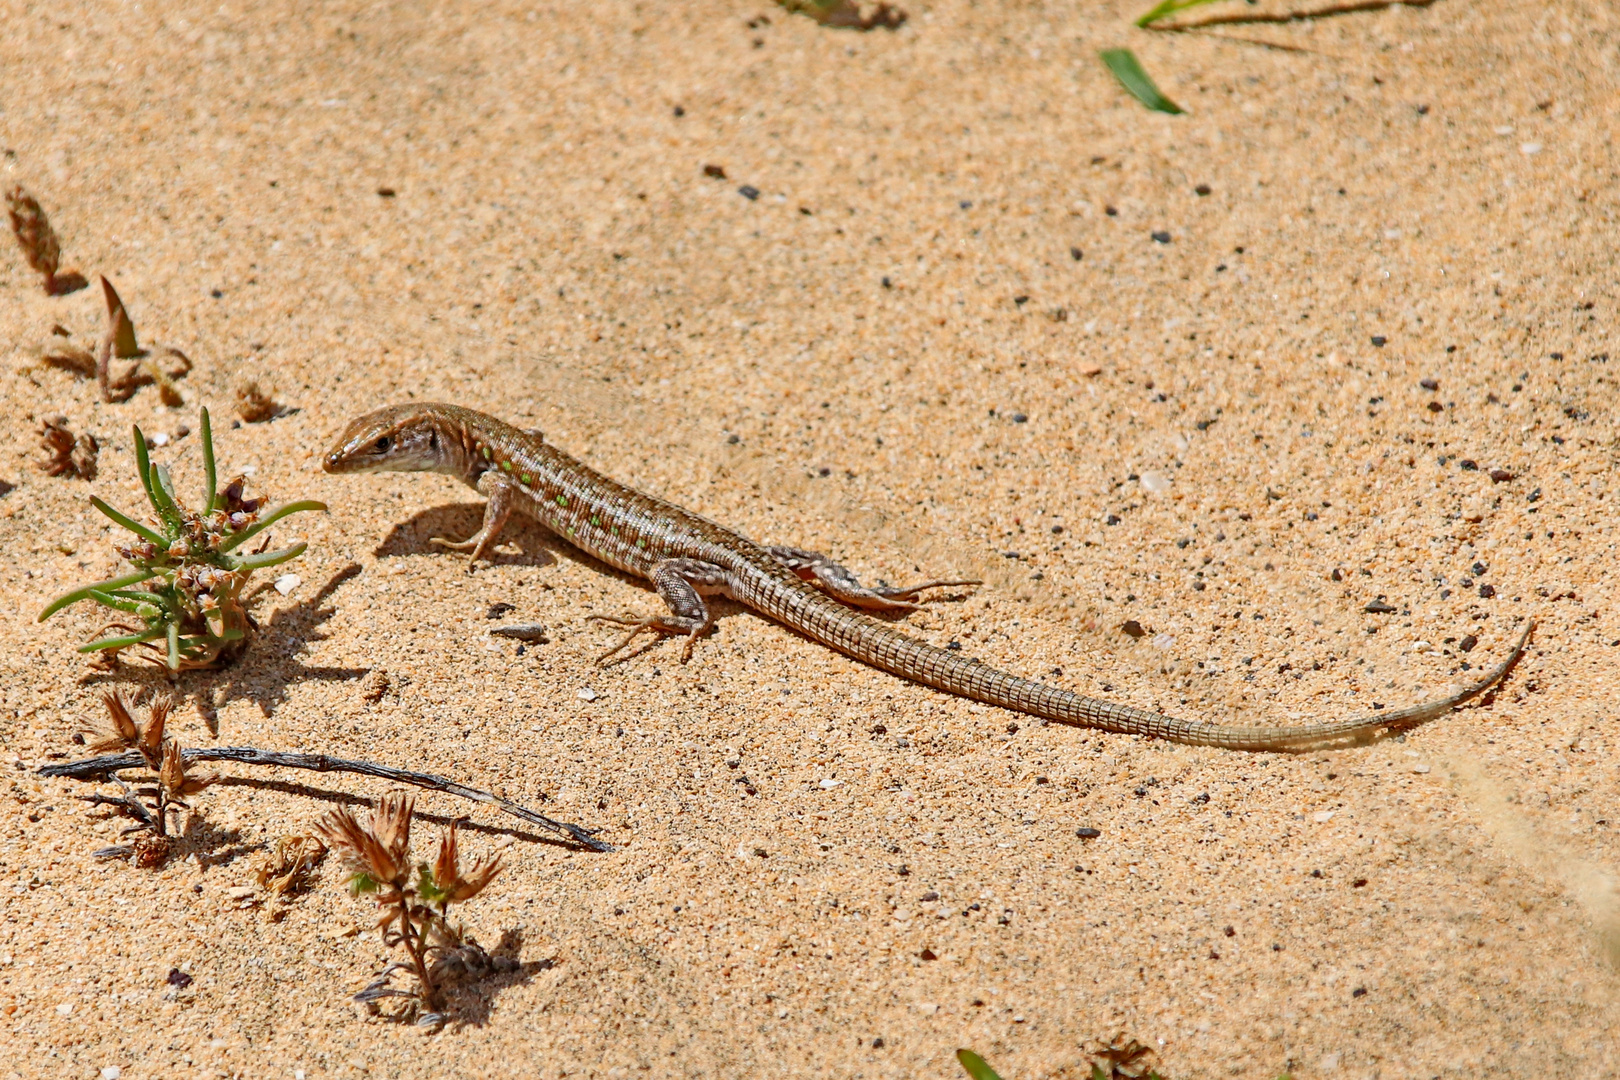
(941, 333)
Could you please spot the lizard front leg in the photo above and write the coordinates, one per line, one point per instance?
(682, 584)
(838, 581)
(501, 493)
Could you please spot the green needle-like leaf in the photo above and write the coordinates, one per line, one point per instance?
(975, 1066)
(84, 592)
(144, 608)
(129, 523)
(210, 473)
(1169, 7)
(268, 558)
(1128, 70)
(156, 495)
(120, 642)
(269, 520)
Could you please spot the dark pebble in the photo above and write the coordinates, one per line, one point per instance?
(1112, 519)
(749, 192)
(1500, 476)
(716, 172)
(1009, 554)
(966, 204)
(1435, 406)
(496, 610)
(1012, 729)
(1360, 991)
(1161, 237)
(877, 1044)
(1467, 644)
(887, 284)
(1378, 607)
(1202, 189)
(533, 633)
(1057, 530)
(954, 646)
(1183, 542)
(1110, 211)
(733, 440)
(1359, 883)
(1479, 569)
(1020, 300)
(879, 729)
(1430, 384)
(387, 192)
(217, 294)
(1467, 465)
(1132, 628)
(1076, 254)
(929, 897)
(927, 954)
(1088, 833)
(1019, 418)
(1379, 340)
(1337, 575)
(680, 110)
(1487, 591)
(1229, 932)
(178, 978)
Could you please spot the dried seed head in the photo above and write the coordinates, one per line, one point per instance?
(288, 869)
(150, 851)
(57, 441)
(254, 403)
(176, 784)
(119, 731)
(34, 233)
(362, 852)
(150, 742)
(447, 875)
(391, 822)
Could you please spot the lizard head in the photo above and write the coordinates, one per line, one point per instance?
(399, 438)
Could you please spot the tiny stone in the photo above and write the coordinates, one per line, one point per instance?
(1378, 607)
(1467, 644)
(714, 172)
(1019, 418)
(927, 954)
(497, 609)
(1020, 301)
(178, 978)
(1161, 237)
(1076, 254)
(1379, 340)
(680, 110)
(1479, 569)
(286, 583)
(1134, 628)
(1487, 591)
(929, 897)
(587, 694)
(1500, 476)
(1468, 465)
(749, 192)
(1088, 833)
(1201, 189)
(386, 192)
(1430, 384)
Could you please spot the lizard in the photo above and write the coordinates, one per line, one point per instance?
(688, 557)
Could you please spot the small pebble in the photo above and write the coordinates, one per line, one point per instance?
(1378, 607)
(1132, 628)
(1202, 189)
(1500, 476)
(1088, 833)
(587, 694)
(286, 583)
(714, 172)
(1076, 254)
(749, 192)
(1379, 340)
(1430, 384)
(1161, 237)
(829, 783)
(1467, 644)
(1420, 768)
(111, 1072)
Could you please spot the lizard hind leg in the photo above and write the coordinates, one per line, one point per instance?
(677, 582)
(842, 584)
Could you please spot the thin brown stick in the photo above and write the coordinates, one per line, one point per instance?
(1328, 12)
(99, 768)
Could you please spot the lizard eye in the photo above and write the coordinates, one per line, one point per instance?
(381, 446)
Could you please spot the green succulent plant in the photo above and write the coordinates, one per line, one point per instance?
(186, 588)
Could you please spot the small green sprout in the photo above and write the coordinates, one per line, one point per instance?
(186, 588)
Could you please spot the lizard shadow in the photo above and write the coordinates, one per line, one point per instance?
(414, 536)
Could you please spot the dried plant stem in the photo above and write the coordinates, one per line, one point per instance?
(98, 768)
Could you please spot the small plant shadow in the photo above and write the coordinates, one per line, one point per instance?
(470, 999)
(265, 672)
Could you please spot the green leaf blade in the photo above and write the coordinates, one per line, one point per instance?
(1169, 7)
(1137, 83)
(210, 469)
(976, 1066)
(130, 523)
(83, 593)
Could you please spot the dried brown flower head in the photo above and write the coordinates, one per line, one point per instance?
(39, 243)
(454, 886)
(69, 455)
(150, 850)
(254, 404)
(290, 868)
(172, 775)
(119, 732)
(150, 743)
(377, 854)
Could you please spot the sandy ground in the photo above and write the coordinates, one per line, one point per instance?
(942, 333)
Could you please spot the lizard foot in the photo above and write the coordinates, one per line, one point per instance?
(692, 629)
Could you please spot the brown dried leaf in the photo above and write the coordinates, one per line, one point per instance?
(150, 851)
(289, 869)
(69, 456)
(120, 330)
